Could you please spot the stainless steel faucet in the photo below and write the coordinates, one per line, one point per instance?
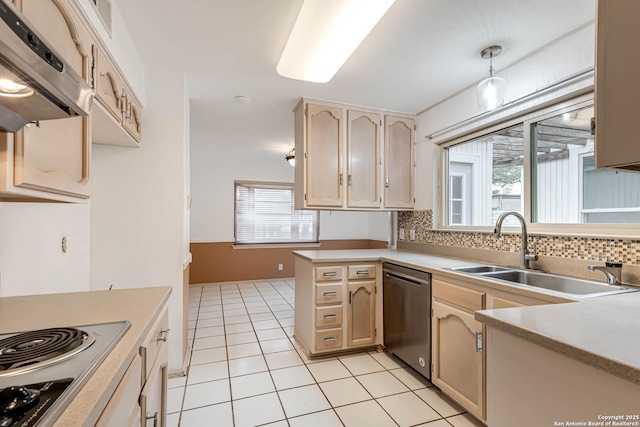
(525, 256)
(613, 271)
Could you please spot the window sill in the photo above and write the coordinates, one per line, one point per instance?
(275, 245)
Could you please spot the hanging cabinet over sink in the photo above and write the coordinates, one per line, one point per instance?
(340, 160)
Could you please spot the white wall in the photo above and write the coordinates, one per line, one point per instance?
(567, 56)
(219, 159)
(31, 258)
(138, 204)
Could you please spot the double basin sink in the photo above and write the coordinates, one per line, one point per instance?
(577, 288)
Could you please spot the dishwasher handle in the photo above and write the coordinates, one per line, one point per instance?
(412, 280)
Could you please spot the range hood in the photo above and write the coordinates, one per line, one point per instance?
(35, 83)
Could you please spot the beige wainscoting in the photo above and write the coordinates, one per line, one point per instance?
(220, 262)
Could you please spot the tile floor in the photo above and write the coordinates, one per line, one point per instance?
(247, 370)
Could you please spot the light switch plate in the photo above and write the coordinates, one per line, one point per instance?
(412, 234)
(401, 237)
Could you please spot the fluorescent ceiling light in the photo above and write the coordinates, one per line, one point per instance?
(325, 35)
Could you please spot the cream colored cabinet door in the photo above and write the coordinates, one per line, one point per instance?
(323, 156)
(132, 118)
(616, 88)
(54, 156)
(458, 360)
(110, 92)
(363, 159)
(360, 322)
(399, 162)
(153, 398)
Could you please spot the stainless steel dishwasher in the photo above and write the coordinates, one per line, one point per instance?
(407, 316)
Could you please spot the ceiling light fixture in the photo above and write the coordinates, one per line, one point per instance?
(291, 157)
(491, 90)
(325, 35)
(243, 99)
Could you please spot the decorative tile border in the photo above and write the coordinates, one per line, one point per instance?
(626, 251)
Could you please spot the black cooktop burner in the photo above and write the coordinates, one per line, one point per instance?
(33, 347)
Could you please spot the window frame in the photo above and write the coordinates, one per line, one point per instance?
(526, 119)
(272, 185)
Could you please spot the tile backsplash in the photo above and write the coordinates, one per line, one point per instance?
(626, 251)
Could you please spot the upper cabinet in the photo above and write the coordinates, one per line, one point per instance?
(340, 162)
(117, 114)
(323, 156)
(398, 169)
(49, 160)
(617, 90)
(363, 159)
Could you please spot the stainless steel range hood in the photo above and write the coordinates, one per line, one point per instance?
(35, 83)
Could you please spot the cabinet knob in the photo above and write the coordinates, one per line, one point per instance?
(163, 335)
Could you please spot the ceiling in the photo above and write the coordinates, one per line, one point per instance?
(421, 52)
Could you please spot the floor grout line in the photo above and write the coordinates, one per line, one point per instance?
(234, 292)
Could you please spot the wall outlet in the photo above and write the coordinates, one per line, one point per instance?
(401, 236)
(412, 234)
(280, 267)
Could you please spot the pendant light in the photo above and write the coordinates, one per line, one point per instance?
(291, 157)
(491, 90)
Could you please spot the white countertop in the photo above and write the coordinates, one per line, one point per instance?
(603, 332)
(141, 306)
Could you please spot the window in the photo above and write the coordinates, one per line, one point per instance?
(485, 178)
(541, 166)
(264, 213)
(567, 187)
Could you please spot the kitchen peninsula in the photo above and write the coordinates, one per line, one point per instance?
(598, 336)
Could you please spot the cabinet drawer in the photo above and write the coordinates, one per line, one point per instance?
(362, 272)
(123, 405)
(329, 339)
(326, 294)
(325, 274)
(462, 297)
(153, 343)
(328, 316)
(505, 303)
(153, 398)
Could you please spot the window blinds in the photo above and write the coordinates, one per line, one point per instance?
(264, 213)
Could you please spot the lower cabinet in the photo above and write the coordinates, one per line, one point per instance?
(153, 398)
(457, 345)
(336, 306)
(140, 399)
(361, 328)
(458, 359)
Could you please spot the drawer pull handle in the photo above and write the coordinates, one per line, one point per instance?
(163, 335)
(330, 294)
(330, 339)
(362, 272)
(329, 274)
(330, 316)
(154, 418)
